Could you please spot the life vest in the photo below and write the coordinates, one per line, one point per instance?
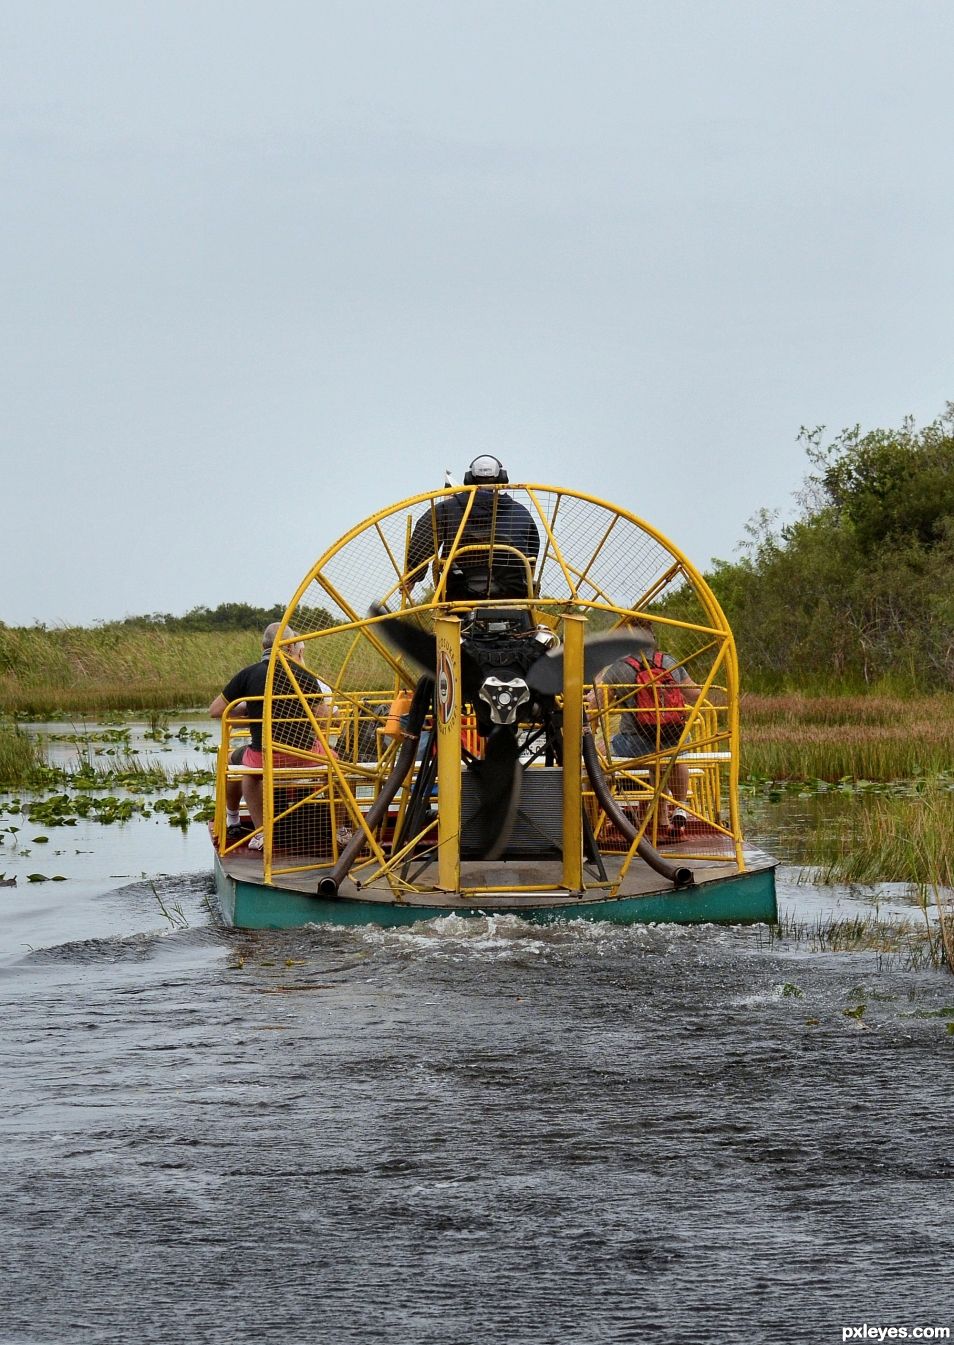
(656, 698)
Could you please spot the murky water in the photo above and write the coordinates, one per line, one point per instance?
(462, 1131)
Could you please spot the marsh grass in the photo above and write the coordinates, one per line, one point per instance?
(55, 672)
(891, 837)
(112, 667)
(155, 671)
(832, 738)
(910, 945)
(22, 759)
(897, 837)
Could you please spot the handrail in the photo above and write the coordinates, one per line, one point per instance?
(442, 565)
(328, 885)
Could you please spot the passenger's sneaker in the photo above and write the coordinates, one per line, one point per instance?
(235, 834)
(678, 821)
(257, 842)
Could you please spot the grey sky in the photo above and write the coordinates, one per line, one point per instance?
(269, 267)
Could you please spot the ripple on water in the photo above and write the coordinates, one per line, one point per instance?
(467, 1130)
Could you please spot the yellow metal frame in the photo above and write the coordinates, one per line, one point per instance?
(449, 691)
(709, 742)
(573, 629)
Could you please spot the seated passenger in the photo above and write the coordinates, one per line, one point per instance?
(496, 521)
(290, 724)
(654, 689)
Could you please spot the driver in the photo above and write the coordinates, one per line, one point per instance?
(495, 520)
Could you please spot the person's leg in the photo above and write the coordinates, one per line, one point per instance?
(253, 794)
(252, 784)
(632, 745)
(679, 789)
(674, 815)
(233, 788)
(247, 787)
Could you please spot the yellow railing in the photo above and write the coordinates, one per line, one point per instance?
(595, 561)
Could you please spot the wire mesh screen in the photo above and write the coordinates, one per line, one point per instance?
(584, 556)
(536, 550)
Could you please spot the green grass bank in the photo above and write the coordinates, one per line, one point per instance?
(793, 736)
(120, 667)
(859, 737)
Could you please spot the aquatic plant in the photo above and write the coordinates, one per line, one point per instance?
(104, 757)
(174, 914)
(158, 725)
(911, 945)
(186, 808)
(64, 809)
(893, 836)
(831, 738)
(23, 760)
(899, 836)
(132, 773)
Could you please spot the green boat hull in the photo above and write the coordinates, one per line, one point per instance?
(745, 898)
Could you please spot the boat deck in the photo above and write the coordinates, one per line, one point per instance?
(522, 887)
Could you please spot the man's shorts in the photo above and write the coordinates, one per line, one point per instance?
(644, 745)
(252, 757)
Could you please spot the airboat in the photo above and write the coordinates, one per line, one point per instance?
(463, 763)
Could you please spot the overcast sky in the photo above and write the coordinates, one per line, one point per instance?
(269, 267)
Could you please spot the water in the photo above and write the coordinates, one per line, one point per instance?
(455, 1132)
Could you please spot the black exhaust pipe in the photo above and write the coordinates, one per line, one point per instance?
(329, 885)
(680, 875)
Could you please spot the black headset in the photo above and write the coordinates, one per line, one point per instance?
(501, 479)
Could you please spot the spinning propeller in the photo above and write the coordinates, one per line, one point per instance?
(545, 673)
(516, 678)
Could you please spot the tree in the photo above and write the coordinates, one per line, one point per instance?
(228, 616)
(860, 588)
(892, 486)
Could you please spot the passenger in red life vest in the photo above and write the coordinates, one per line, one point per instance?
(651, 692)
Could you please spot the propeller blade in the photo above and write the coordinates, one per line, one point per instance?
(420, 647)
(499, 786)
(599, 651)
(409, 639)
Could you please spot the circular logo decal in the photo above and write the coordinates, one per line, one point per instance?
(445, 687)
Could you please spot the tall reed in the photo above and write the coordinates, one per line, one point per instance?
(112, 667)
(22, 758)
(833, 738)
(897, 838)
(150, 669)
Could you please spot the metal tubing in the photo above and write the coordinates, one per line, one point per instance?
(573, 628)
(328, 885)
(448, 707)
(680, 875)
